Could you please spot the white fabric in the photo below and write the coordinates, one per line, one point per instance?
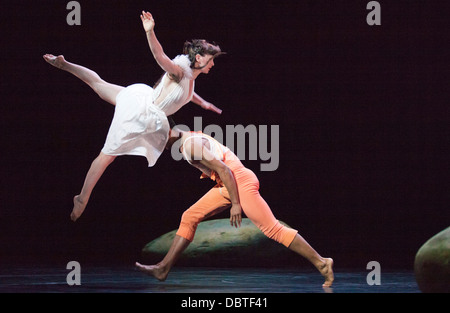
(183, 61)
(139, 126)
(179, 95)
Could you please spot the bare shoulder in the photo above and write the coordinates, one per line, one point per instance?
(193, 147)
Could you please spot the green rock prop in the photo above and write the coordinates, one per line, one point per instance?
(432, 264)
(217, 244)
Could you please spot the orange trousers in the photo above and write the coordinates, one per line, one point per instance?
(253, 205)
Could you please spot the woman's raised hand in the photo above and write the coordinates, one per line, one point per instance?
(147, 21)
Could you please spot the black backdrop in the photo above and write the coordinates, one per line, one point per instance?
(363, 114)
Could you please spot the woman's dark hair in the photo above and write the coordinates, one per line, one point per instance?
(202, 47)
(194, 47)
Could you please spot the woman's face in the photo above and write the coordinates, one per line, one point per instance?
(205, 62)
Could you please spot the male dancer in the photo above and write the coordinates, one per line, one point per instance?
(237, 187)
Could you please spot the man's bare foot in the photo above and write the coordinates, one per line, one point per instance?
(327, 272)
(56, 61)
(153, 270)
(78, 208)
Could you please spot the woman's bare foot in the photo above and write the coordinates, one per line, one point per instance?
(156, 271)
(78, 208)
(56, 61)
(327, 272)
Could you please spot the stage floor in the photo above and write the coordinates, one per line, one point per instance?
(198, 280)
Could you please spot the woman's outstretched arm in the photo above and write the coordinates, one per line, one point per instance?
(158, 53)
(205, 104)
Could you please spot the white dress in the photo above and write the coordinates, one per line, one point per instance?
(140, 126)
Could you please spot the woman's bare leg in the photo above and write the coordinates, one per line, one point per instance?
(96, 170)
(161, 270)
(324, 265)
(105, 90)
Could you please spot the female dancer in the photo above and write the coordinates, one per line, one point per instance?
(238, 189)
(139, 125)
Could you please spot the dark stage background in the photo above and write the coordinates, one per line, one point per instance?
(363, 113)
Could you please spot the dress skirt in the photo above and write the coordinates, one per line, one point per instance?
(138, 127)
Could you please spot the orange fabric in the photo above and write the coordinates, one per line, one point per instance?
(253, 205)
